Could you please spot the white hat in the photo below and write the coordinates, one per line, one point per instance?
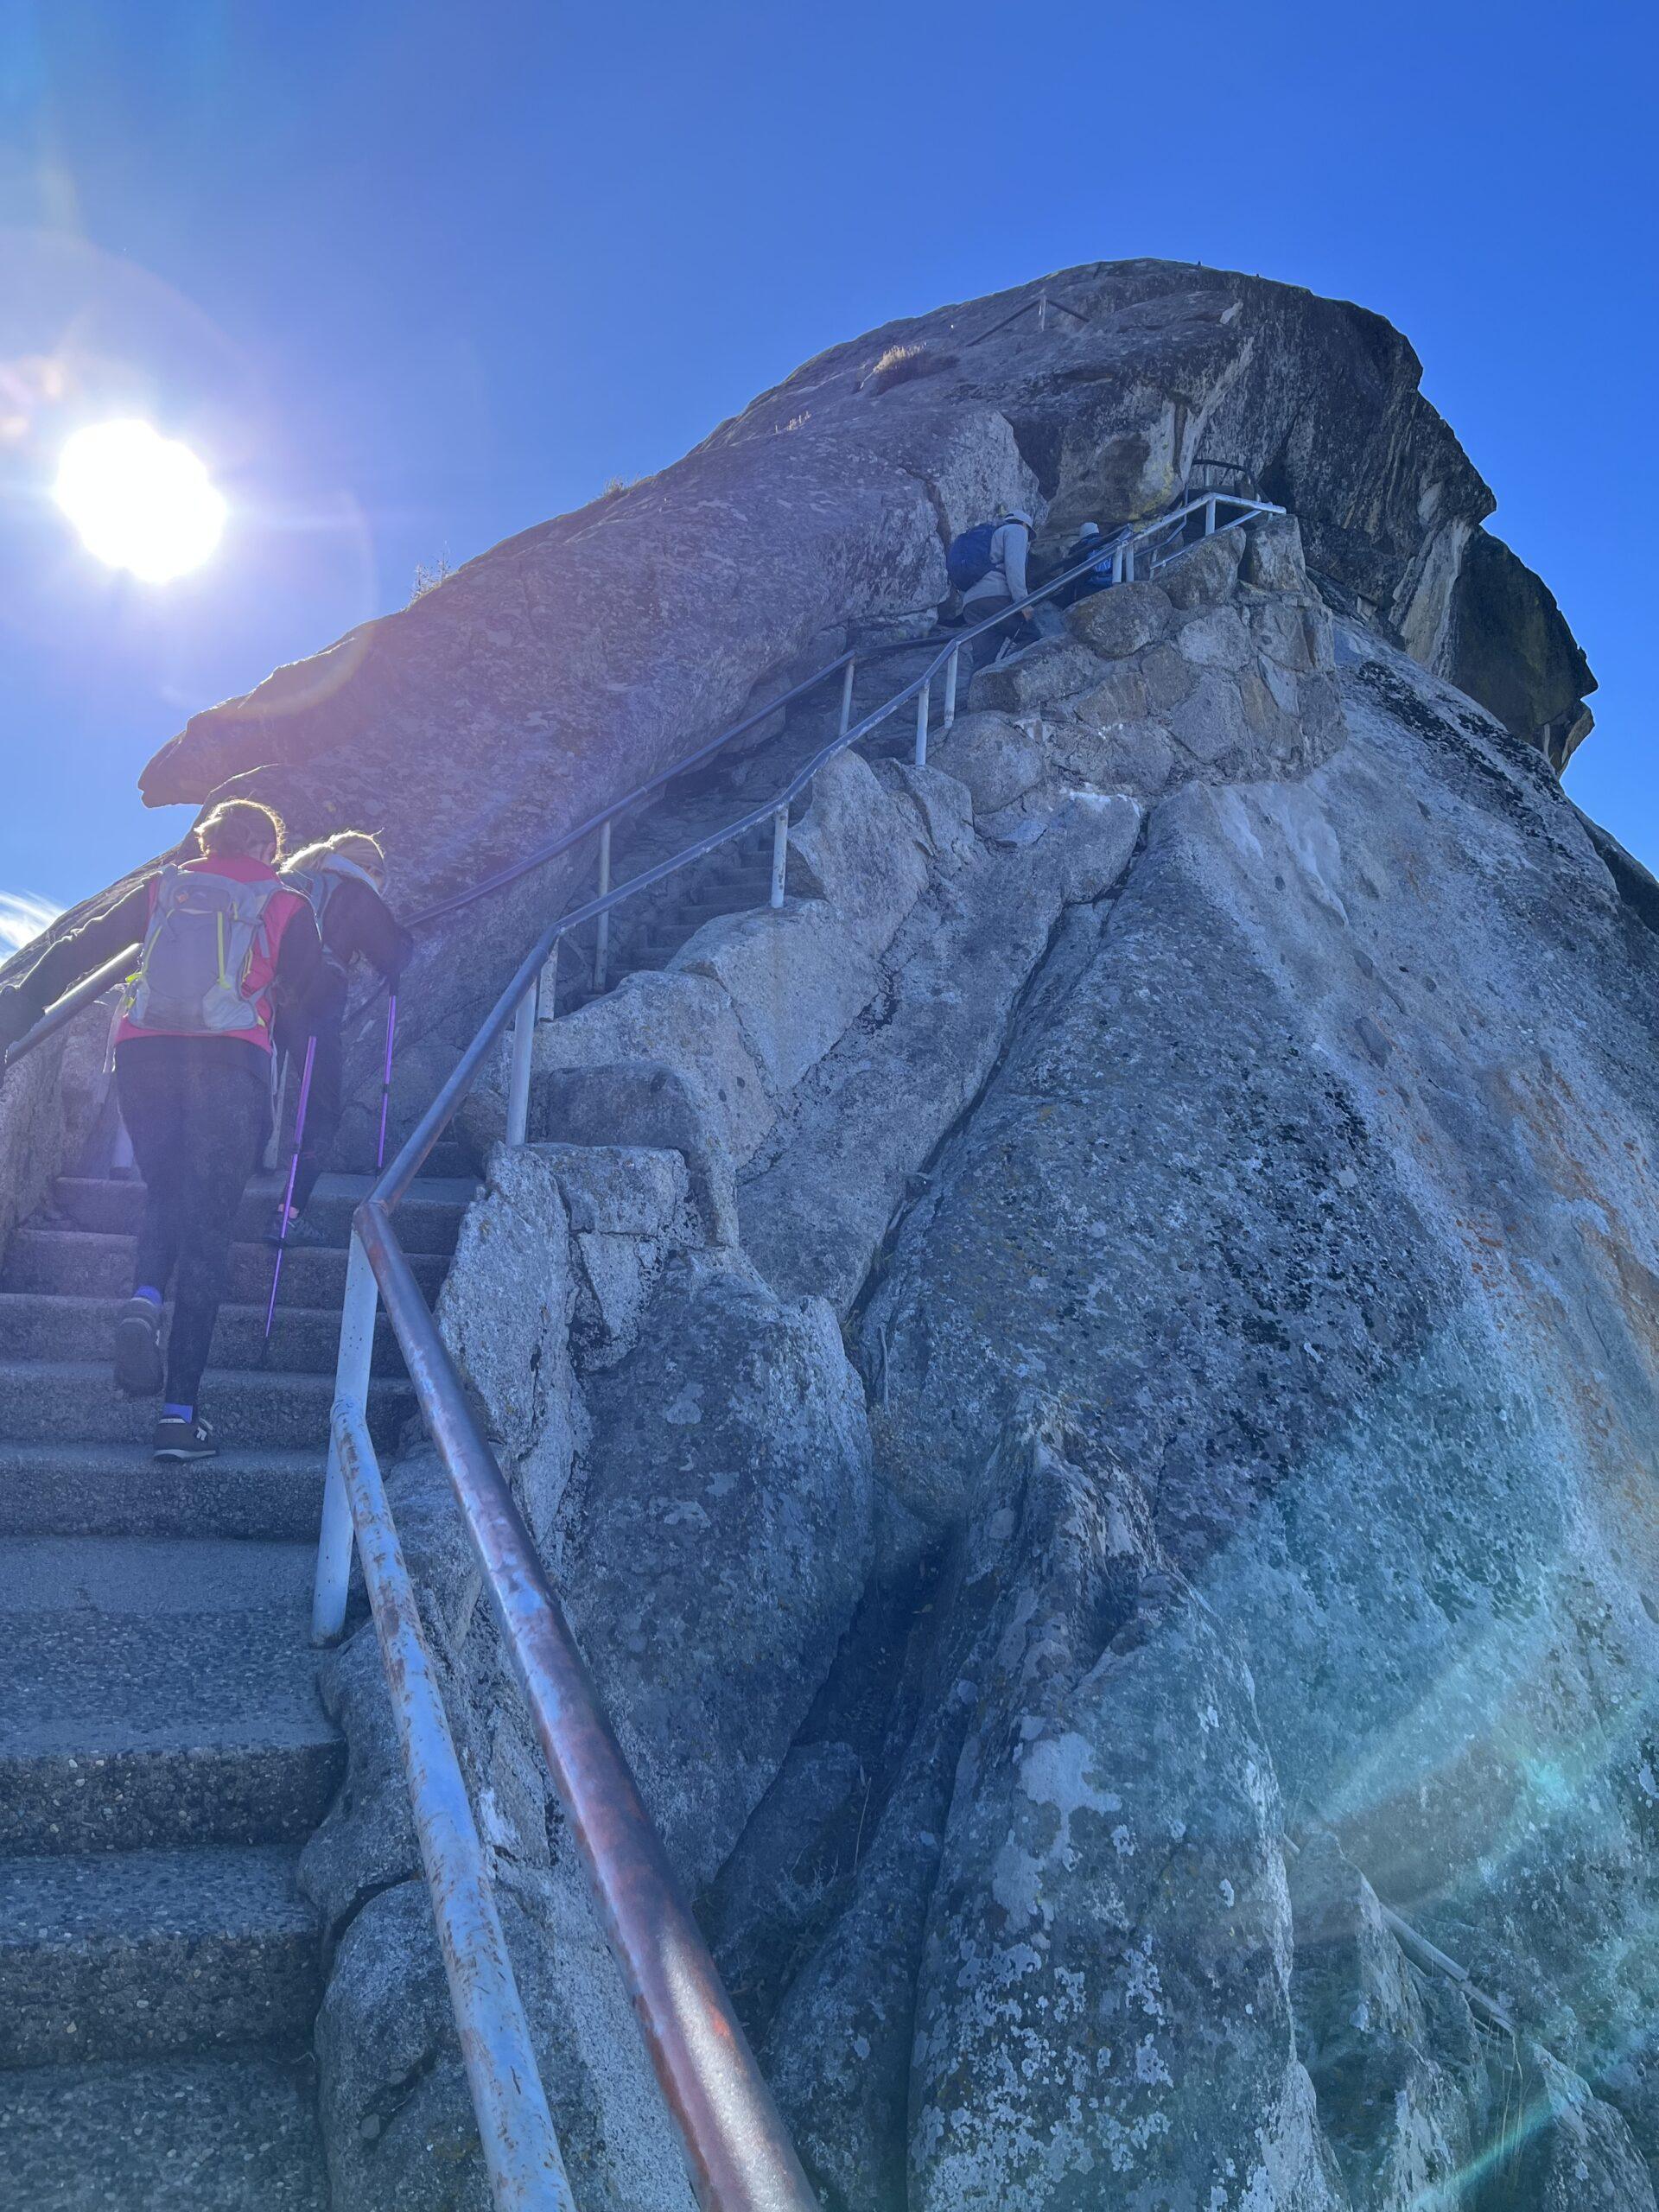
(1088, 529)
(1018, 514)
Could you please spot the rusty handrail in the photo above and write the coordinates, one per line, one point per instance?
(736, 2146)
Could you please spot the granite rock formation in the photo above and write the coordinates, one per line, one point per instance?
(1089, 1383)
(1215, 1519)
(559, 669)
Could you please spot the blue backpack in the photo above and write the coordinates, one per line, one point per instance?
(969, 557)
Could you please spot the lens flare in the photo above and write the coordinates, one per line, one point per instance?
(139, 501)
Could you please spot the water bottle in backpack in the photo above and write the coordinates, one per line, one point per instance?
(192, 974)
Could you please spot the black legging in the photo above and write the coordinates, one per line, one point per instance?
(197, 1109)
(323, 1020)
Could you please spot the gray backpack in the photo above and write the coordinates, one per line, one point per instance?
(192, 974)
(318, 884)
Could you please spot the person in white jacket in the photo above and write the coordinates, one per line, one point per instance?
(1002, 585)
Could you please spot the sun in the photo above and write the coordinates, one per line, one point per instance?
(139, 501)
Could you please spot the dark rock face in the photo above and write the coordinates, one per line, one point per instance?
(1509, 649)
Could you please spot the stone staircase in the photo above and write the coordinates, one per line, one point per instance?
(163, 1754)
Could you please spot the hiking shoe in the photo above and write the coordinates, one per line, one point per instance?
(139, 1348)
(300, 1232)
(184, 1439)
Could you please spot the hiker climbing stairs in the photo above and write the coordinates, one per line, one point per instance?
(163, 1753)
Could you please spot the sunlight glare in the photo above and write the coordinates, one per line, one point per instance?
(139, 501)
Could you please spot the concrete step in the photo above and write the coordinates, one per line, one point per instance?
(80, 1264)
(158, 1694)
(448, 1161)
(59, 1401)
(304, 1340)
(136, 1952)
(163, 2135)
(117, 1489)
(428, 1219)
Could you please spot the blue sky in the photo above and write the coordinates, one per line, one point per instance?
(413, 277)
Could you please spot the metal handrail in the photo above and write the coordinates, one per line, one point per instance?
(63, 1011)
(606, 815)
(737, 2150)
(520, 2145)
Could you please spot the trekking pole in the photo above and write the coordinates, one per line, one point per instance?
(385, 1080)
(293, 1176)
(274, 1149)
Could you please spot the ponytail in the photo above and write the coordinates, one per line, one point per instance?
(236, 826)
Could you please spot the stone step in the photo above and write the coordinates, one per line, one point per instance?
(163, 2135)
(304, 1340)
(56, 1401)
(137, 1953)
(695, 912)
(428, 1219)
(78, 1263)
(117, 1489)
(158, 1694)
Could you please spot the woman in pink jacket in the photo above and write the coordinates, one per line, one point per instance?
(192, 1059)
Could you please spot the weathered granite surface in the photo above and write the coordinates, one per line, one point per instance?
(1313, 1187)
(1233, 1186)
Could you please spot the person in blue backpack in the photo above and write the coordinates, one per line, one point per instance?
(1099, 578)
(986, 565)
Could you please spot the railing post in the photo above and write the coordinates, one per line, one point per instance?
(950, 686)
(602, 927)
(1129, 560)
(779, 854)
(524, 1045)
(1210, 518)
(1117, 564)
(924, 702)
(351, 1374)
(846, 697)
(515, 2128)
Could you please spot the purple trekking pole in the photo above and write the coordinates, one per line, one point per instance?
(293, 1176)
(385, 1080)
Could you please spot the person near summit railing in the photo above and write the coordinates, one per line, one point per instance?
(220, 935)
(988, 566)
(344, 878)
(1087, 541)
